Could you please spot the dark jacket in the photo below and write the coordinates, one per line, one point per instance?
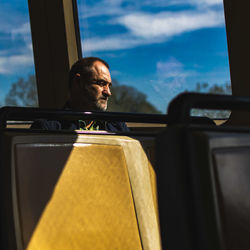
(74, 125)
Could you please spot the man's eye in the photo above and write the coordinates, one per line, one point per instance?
(101, 83)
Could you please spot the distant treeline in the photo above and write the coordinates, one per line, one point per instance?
(213, 89)
(124, 98)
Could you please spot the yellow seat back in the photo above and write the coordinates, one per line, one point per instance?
(84, 192)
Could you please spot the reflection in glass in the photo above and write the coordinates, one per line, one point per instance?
(161, 48)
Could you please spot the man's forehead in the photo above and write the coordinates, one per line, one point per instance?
(100, 68)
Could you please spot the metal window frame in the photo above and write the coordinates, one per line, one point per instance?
(238, 38)
(56, 45)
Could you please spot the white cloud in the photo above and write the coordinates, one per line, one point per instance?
(205, 2)
(192, 2)
(170, 68)
(14, 63)
(11, 17)
(17, 57)
(116, 42)
(100, 8)
(170, 23)
(23, 30)
(122, 7)
(146, 29)
(171, 77)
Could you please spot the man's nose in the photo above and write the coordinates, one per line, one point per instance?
(107, 91)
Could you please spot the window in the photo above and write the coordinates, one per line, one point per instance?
(16, 55)
(159, 47)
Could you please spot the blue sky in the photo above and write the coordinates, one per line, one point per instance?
(161, 47)
(16, 56)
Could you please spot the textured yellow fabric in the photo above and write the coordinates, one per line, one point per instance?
(154, 190)
(138, 159)
(150, 150)
(139, 173)
(92, 206)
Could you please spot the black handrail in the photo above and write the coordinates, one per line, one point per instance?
(178, 111)
(180, 107)
(29, 114)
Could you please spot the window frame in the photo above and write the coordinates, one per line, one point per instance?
(57, 45)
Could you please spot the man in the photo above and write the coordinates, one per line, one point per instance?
(90, 83)
(89, 89)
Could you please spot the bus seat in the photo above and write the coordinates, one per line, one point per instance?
(203, 182)
(79, 191)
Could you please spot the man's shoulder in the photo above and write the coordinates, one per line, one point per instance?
(117, 126)
(46, 124)
(53, 125)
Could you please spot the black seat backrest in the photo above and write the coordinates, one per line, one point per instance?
(204, 189)
(203, 175)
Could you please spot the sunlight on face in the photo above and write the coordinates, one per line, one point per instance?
(96, 90)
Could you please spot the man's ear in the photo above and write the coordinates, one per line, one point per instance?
(77, 80)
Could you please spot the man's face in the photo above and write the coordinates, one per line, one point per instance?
(96, 89)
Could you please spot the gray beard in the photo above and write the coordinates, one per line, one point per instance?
(100, 106)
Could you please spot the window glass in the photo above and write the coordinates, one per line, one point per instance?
(17, 80)
(157, 48)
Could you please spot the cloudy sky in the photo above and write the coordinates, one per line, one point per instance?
(161, 47)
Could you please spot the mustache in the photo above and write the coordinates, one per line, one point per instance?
(103, 98)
